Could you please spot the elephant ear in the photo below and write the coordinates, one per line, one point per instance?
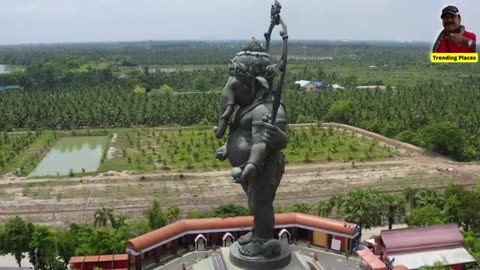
(263, 82)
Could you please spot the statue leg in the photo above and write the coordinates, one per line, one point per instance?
(247, 238)
(263, 212)
(261, 193)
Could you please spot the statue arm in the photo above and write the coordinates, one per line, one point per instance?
(266, 137)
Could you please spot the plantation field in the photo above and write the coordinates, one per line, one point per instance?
(146, 150)
(20, 152)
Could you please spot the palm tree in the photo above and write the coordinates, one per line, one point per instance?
(393, 207)
(409, 194)
(119, 221)
(103, 216)
(338, 202)
(363, 207)
(429, 196)
(155, 215)
(325, 208)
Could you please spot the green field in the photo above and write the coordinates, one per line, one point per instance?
(143, 150)
(148, 149)
(20, 153)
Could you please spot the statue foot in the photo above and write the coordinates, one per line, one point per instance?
(245, 239)
(271, 248)
(251, 249)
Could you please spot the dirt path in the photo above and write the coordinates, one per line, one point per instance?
(58, 202)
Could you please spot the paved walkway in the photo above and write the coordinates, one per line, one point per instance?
(326, 260)
(9, 261)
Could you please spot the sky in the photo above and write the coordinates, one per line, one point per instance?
(59, 21)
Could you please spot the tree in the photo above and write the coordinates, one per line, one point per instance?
(321, 75)
(438, 265)
(18, 235)
(393, 207)
(43, 249)
(82, 233)
(325, 208)
(103, 216)
(338, 201)
(363, 207)
(472, 243)
(302, 208)
(341, 111)
(106, 240)
(200, 84)
(167, 89)
(429, 196)
(230, 210)
(138, 227)
(410, 196)
(451, 209)
(173, 213)
(424, 216)
(444, 138)
(469, 211)
(3, 248)
(155, 216)
(119, 221)
(66, 244)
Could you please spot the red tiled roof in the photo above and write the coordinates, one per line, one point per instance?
(371, 259)
(120, 257)
(423, 238)
(92, 258)
(203, 224)
(76, 259)
(99, 258)
(105, 258)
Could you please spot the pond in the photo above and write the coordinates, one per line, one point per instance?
(3, 69)
(8, 68)
(72, 153)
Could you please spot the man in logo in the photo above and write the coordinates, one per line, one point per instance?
(454, 38)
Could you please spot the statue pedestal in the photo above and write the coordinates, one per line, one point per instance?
(223, 261)
(259, 262)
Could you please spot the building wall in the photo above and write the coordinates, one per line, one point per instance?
(215, 240)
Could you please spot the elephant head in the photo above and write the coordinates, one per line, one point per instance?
(250, 70)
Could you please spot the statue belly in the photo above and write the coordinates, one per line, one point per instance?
(239, 144)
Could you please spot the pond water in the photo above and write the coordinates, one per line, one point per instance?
(74, 153)
(8, 68)
(3, 69)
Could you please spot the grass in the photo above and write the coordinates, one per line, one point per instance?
(28, 159)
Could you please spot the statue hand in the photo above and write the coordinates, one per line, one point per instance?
(248, 172)
(275, 137)
(221, 153)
